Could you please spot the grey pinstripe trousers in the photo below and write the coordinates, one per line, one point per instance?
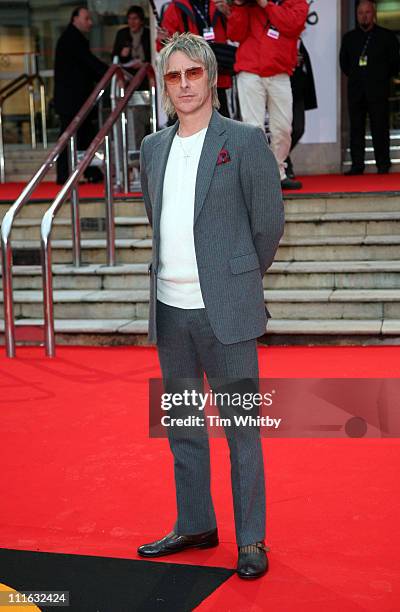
(188, 348)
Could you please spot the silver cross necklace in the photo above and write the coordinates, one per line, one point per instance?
(187, 154)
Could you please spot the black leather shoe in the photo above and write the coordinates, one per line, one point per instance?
(288, 183)
(383, 169)
(354, 172)
(253, 561)
(173, 543)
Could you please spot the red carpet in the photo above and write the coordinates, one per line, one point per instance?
(337, 183)
(81, 476)
(322, 184)
(49, 190)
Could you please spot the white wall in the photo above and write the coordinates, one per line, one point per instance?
(321, 41)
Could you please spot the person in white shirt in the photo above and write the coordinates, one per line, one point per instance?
(212, 193)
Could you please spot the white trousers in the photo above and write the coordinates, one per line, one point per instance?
(256, 94)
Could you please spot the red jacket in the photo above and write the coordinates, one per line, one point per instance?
(173, 22)
(262, 54)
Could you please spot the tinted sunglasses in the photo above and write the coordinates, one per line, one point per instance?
(191, 74)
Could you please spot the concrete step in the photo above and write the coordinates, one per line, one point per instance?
(93, 250)
(279, 331)
(294, 203)
(84, 304)
(360, 304)
(25, 176)
(24, 158)
(23, 151)
(281, 275)
(333, 275)
(283, 304)
(87, 208)
(95, 277)
(89, 326)
(370, 164)
(22, 163)
(297, 224)
(345, 202)
(91, 227)
(342, 223)
(370, 155)
(339, 248)
(331, 248)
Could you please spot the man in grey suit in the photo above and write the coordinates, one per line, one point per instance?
(211, 188)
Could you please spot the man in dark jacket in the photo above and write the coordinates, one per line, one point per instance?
(369, 57)
(76, 72)
(133, 42)
(132, 47)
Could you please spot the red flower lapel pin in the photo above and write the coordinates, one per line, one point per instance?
(223, 157)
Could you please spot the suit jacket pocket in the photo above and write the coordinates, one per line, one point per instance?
(244, 263)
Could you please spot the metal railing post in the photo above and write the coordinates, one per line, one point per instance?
(110, 226)
(100, 113)
(9, 329)
(2, 161)
(116, 138)
(48, 217)
(43, 115)
(116, 131)
(32, 114)
(48, 308)
(124, 138)
(75, 218)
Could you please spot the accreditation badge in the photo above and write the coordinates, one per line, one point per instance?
(208, 34)
(273, 33)
(363, 61)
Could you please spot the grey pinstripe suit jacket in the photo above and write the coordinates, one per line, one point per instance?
(238, 222)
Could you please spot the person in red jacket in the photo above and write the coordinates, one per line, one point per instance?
(267, 31)
(200, 17)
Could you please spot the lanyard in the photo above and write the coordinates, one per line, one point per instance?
(203, 17)
(363, 52)
(277, 2)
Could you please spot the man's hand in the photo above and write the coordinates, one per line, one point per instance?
(262, 3)
(223, 7)
(125, 52)
(137, 63)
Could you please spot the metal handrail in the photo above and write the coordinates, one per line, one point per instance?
(9, 90)
(49, 215)
(8, 220)
(122, 135)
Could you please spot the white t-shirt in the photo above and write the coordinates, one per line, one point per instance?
(178, 278)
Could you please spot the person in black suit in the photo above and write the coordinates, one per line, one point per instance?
(304, 99)
(76, 71)
(369, 57)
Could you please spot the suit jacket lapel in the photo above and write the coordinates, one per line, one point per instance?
(213, 143)
(160, 159)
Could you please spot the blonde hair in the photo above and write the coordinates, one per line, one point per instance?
(197, 49)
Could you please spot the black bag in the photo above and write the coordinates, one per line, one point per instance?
(226, 56)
